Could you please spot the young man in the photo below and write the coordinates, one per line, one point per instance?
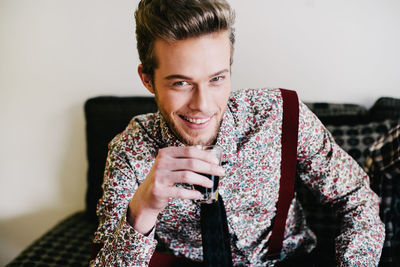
(186, 48)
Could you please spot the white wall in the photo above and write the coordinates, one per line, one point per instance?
(54, 54)
(337, 50)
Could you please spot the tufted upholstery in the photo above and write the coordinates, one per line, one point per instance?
(67, 244)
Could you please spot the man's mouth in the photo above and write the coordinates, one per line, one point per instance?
(195, 121)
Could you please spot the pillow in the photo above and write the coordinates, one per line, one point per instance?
(356, 139)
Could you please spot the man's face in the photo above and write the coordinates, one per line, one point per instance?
(192, 85)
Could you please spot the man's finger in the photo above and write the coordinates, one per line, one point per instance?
(189, 177)
(183, 193)
(190, 152)
(198, 166)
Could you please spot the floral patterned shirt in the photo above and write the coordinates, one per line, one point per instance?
(250, 135)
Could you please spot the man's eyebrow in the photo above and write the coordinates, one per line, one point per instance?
(183, 77)
(177, 76)
(219, 73)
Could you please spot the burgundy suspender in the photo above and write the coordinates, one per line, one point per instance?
(288, 169)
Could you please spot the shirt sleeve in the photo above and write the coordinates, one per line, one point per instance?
(122, 244)
(339, 180)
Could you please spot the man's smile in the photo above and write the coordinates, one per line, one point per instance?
(196, 123)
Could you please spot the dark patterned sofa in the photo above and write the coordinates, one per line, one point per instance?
(354, 127)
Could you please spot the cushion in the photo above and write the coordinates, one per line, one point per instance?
(105, 118)
(339, 114)
(385, 108)
(356, 139)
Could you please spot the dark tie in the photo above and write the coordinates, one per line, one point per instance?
(215, 235)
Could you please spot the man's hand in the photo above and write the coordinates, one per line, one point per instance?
(172, 165)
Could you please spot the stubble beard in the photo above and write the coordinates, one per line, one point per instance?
(187, 140)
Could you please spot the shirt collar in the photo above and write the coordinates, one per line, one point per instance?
(167, 136)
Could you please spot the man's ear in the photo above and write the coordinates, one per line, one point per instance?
(146, 79)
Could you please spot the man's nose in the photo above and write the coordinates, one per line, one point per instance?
(200, 99)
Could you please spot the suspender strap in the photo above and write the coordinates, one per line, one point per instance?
(288, 169)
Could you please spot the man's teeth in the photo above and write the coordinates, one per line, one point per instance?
(196, 121)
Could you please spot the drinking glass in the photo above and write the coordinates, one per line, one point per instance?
(210, 195)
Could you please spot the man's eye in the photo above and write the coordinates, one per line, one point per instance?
(217, 79)
(180, 83)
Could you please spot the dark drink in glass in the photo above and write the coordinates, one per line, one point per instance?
(209, 194)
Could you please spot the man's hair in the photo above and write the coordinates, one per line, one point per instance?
(173, 20)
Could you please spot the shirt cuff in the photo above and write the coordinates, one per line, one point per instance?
(135, 247)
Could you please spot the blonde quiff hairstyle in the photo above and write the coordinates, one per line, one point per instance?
(173, 20)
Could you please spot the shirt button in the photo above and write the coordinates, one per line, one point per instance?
(235, 219)
(221, 191)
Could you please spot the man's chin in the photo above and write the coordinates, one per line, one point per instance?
(199, 137)
(192, 137)
(192, 140)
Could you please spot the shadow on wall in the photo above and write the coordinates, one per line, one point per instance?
(19, 232)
